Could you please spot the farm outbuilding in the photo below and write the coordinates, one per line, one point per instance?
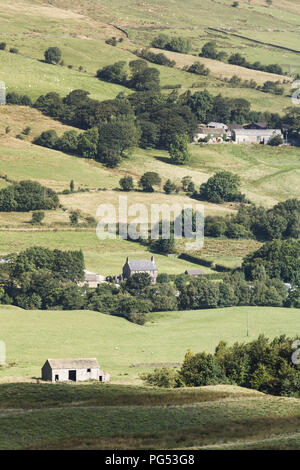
(76, 370)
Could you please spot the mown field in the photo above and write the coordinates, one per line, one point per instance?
(121, 417)
(33, 336)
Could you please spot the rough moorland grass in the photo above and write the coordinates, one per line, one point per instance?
(33, 336)
(179, 426)
(44, 395)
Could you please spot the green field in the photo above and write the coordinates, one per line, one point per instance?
(80, 29)
(105, 257)
(33, 336)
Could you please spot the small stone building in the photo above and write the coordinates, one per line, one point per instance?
(76, 370)
(92, 280)
(132, 267)
(254, 136)
(194, 272)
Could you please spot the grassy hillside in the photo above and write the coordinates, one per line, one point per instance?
(118, 417)
(79, 29)
(32, 336)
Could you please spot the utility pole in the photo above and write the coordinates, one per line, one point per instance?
(247, 324)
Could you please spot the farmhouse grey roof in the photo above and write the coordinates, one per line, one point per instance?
(142, 265)
(216, 125)
(90, 363)
(210, 130)
(258, 132)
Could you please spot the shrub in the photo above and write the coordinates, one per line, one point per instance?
(37, 217)
(161, 377)
(126, 183)
(53, 55)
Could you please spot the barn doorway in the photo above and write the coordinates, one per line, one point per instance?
(72, 375)
(100, 378)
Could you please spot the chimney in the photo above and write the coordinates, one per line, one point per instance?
(127, 259)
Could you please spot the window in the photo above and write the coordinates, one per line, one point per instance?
(88, 370)
(56, 378)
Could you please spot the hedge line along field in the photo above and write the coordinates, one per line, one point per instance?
(33, 336)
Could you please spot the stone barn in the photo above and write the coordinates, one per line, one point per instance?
(76, 370)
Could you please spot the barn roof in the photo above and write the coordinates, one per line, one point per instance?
(194, 272)
(142, 265)
(80, 363)
(258, 132)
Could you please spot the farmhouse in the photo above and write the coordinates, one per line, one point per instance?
(77, 370)
(140, 266)
(212, 133)
(254, 136)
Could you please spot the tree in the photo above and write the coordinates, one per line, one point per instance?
(169, 187)
(47, 139)
(199, 293)
(178, 149)
(115, 73)
(68, 143)
(209, 50)
(146, 79)
(72, 186)
(276, 141)
(2, 46)
(202, 369)
(163, 245)
(115, 139)
(27, 196)
(88, 143)
(126, 183)
(223, 186)
(185, 181)
(74, 218)
(37, 217)
(198, 69)
(280, 258)
(136, 283)
(53, 55)
(148, 180)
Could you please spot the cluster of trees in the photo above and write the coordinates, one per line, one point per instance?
(141, 77)
(198, 69)
(272, 87)
(159, 58)
(39, 278)
(238, 59)
(149, 119)
(176, 43)
(222, 187)
(106, 144)
(27, 196)
(209, 50)
(280, 222)
(279, 258)
(261, 364)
